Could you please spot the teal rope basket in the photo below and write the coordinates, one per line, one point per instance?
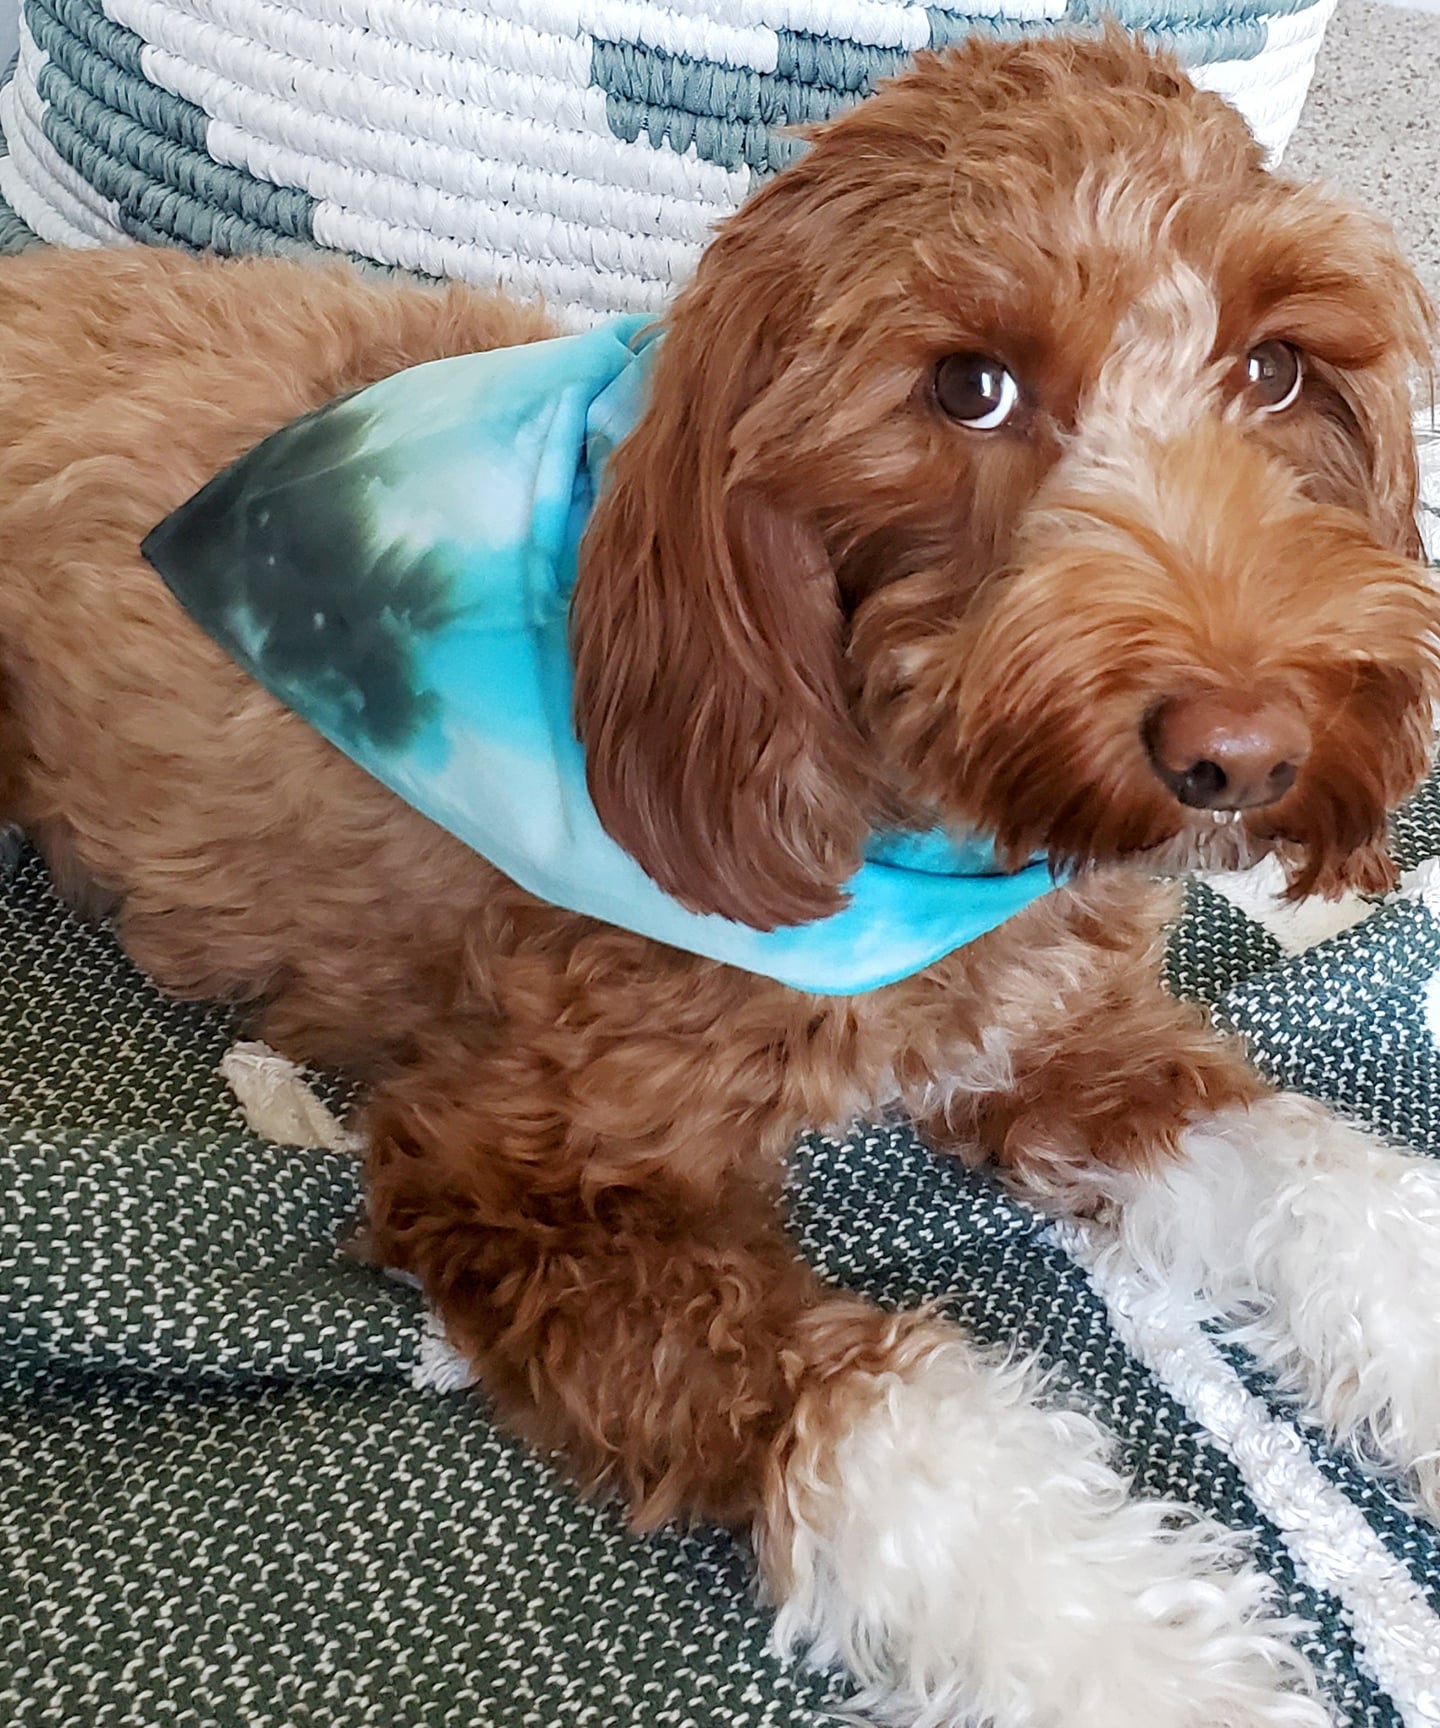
(577, 151)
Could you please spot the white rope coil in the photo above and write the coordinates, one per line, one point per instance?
(579, 150)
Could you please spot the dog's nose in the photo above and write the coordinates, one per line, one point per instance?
(1220, 750)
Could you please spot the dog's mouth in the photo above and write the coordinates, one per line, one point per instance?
(1130, 821)
(1278, 703)
(1327, 846)
(1327, 830)
(1205, 840)
(1309, 778)
(1155, 761)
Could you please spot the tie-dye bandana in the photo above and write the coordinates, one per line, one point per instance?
(397, 568)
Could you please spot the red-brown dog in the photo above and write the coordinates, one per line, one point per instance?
(1026, 458)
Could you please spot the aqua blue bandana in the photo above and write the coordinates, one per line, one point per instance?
(397, 568)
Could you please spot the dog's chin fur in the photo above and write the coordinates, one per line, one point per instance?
(808, 603)
(1225, 842)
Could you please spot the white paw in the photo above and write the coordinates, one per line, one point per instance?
(438, 1366)
(1321, 1244)
(973, 1558)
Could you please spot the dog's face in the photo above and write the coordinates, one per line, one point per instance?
(1028, 459)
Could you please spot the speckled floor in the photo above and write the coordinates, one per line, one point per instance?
(1372, 124)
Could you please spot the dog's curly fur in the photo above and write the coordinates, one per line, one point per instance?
(809, 603)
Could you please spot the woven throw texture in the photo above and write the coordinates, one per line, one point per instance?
(577, 151)
(232, 1492)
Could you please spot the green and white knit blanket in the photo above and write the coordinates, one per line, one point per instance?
(238, 1487)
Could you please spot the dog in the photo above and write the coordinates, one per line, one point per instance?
(1025, 458)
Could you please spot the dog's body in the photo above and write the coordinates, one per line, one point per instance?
(817, 598)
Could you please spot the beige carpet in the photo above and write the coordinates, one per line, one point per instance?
(1372, 124)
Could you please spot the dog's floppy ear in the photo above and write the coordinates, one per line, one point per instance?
(1363, 310)
(708, 637)
(1384, 400)
(1380, 401)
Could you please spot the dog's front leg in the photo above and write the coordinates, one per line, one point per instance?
(1321, 1244)
(594, 1214)
(1102, 1096)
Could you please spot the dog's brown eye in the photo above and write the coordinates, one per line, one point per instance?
(975, 390)
(1273, 376)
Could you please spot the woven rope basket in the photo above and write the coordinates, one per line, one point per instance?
(576, 149)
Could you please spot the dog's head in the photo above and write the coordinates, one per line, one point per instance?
(1028, 459)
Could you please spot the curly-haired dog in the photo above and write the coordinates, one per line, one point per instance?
(1025, 457)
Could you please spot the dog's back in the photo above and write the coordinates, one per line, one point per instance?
(227, 840)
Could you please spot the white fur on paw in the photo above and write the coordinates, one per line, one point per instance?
(439, 1366)
(973, 1558)
(1321, 1245)
(1330, 1538)
(278, 1103)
